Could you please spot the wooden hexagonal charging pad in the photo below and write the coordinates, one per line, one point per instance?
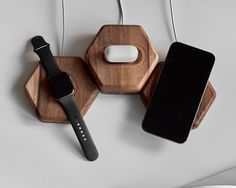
(121, 77)
(208, 97)
(46, 107)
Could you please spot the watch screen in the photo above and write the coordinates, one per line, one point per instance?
(60, 85)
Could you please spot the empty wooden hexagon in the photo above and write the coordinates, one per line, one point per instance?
(207, 100)
(46, 107)
(121, 77)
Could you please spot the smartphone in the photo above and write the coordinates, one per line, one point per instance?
(178, 93)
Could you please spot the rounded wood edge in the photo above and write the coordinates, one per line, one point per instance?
(207, 107)
(91, 99)
(27, 87)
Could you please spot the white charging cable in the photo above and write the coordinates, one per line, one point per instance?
(171, 13)
(64, 23)
(63, 28)
(121, 21)
(172, 20)
(121, 12)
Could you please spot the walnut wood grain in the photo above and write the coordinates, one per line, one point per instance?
(120, 77)
(207, 100)
(46, 107)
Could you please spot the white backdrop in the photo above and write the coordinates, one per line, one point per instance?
(34, 154)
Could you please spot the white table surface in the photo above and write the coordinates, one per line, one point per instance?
(34, 154)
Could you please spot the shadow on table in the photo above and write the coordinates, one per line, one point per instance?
(225, 177)
(17, 91)
(132, 131)
(79, 44)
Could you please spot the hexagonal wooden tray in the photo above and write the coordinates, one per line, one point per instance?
(207, 100)
(121, 77)
(46, 107)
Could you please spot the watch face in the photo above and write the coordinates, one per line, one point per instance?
(60, 85)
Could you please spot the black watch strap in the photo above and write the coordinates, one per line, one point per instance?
(80, 128)
(42, 48)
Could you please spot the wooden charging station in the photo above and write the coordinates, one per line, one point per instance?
(46, 107)
(140, 76)
(121, 77)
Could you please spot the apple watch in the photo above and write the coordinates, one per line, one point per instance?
(63, 91)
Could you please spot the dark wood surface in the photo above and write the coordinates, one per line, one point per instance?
(121, 78)
(46, 107)
(207, 100)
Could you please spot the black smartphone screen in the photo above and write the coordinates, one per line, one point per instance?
(178, 93)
